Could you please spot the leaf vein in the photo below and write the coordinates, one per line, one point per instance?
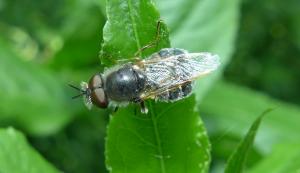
(157, 138)
(133, 23)
(139, 137)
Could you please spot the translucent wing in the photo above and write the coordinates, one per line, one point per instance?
(168, 72)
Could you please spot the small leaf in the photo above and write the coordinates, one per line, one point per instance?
(172, 138)
(238, 158)
(16, 156)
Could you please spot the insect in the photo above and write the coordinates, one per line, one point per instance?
(166, 76)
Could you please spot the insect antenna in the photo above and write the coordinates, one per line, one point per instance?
(76, 88)
(79, 95)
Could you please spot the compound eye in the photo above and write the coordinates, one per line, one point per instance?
(99, 98)
(96, 81)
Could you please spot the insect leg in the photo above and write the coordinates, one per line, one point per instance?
(152, 43)
(121, 61)
(116, 109)
(144, 109)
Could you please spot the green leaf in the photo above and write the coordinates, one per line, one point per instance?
(171, 138)
(16, 156)
(163, 140)
(32, 97)
(284, 158)
(200, 26)
(130, 25)
(237, 107)
(237, 160)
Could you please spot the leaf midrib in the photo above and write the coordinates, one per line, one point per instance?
(138, 44)
(153, 117)
(157, 138)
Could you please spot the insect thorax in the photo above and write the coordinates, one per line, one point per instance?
(125, 84)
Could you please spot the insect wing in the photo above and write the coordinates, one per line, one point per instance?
(180, 68)
(167, 73)
(194, 65)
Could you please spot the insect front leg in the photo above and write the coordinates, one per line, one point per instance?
(144, 108)
(116, 108)
(122, 61)
(152, 43)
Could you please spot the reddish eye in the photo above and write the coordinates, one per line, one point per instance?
(99, 98)
(96, 81)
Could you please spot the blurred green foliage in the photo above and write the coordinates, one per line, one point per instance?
(46, 44)
(268, 49)
(17, 156)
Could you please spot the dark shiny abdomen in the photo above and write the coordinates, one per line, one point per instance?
(167, 52)
(178, 93)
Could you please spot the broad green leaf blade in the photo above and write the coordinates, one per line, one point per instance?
(285, 158)
(32, 97)
(131, 24)
(206, 25)
(237, 160)
(232, 117)
(171, 136)
(16, 156)
(170, 139)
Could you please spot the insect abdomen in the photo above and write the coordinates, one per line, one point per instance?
(167, 52)
(178, 93)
